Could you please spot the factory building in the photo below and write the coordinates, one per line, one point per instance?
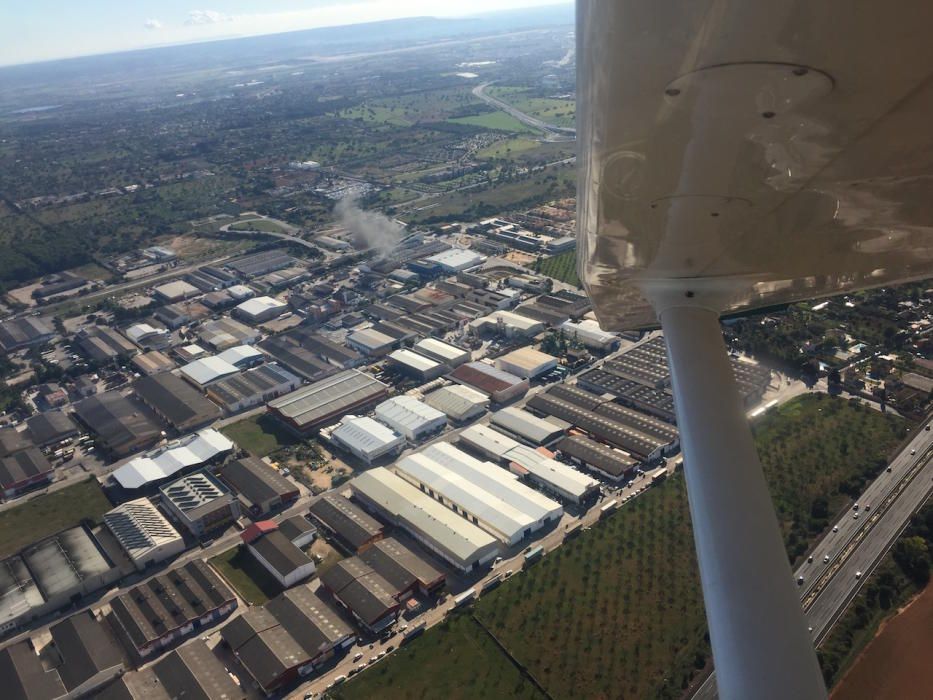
(365, 594)
(299, 531)
(414, 419)
(102, 344)
(260, 488)
(252, 388)
(20, 598)
(459, 402)
(200, 502)
(355, 529)
(406, 571)
(315, 405)
(277, 554)
(591, 336)
(152, 362)
(371, 342)
(657, 402)
(49, 428)
(206, 370)
(608, 462)
(22, 332)
(148, 337)
(498, 385)
(455, 540)
(225, 333)
(175, 402)
(527, 427)
(554, 476)
(442, 352)
(24, 470)
(170, 607)
(298, 359)
(507, 324)
(120, 426)
(418, 366)
(185, 453)
(366, 438)
(313, 622)
(143, 533)
(259, 310)
(456, 259)
(526, 363)
(177, 290)
(83, 655)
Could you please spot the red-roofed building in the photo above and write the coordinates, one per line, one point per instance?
(257, 530)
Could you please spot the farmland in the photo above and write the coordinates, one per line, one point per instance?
(561, 267)
(618, 611)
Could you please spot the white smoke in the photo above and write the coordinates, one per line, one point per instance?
(370, 229)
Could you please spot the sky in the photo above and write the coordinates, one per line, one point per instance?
(40, 30)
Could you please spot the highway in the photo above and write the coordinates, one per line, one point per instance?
(856, 545)
(554, 133)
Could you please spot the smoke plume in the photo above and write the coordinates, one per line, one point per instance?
(370, 229)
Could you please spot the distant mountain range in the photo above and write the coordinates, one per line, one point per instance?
(273, 48)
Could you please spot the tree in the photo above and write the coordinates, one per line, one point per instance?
(913, 556)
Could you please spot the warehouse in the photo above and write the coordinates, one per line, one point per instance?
(656, 402)
(148, 337)
(498, 385)
(22, 332)
(225, 333)
(591, 336)
(175, 402)
(527, 427)
(298, 359)
(418, 366)
(313, 406)
(405, 571)
(120, 426)
(312, 622)
(658, 429)
(206, 370)
(414, 419)
(566, 482)
(458, 542)
(363, 592)
(143, 533)
(355, 529)
(20, 598)
(187, 452)
(508, 324)
(23, 470)
(366, 438)
(277, 554)
(102, 344)
(456, 259)
(487, 442)
(69, 566)
(492, 478)
(299, 531)
(175, 315)
(200, 503)
(577, 396)
(607, 462)
(50, 428)
(86, 654)
(260, 488)
(326, 349)
(170, 607)
(252, 388)
(442, 352)
(153, 362)
(262, 263)
(175, 291)
(371, 342)
(13, 440)
(632, 440)
(259, 310)
(486, 509)
(526, 363)
(461, 403)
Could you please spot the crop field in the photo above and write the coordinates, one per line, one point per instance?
(455, 660)
(618, 611)
(47, 514)
(561, 267)
(498, 121)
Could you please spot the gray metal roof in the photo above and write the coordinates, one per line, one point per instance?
(526, 425)
(256, 481)
(347, 520)
(333, 395)
(23, 677)
(194, 671)
(86, 648)
(361, 589)
(197, 493)
(280, 553)
(399, 566)
(176, 401)
(63, 561)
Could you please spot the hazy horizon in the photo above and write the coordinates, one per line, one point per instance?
(40, 32)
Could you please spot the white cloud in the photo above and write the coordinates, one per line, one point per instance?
(207, 17)
(153, 24)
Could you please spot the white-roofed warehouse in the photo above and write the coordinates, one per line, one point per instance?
(565, 481)
(450, 355)
(459, 402)
(143, 532)
(412, 418)
(419, 366)
(190, 451)
(459, 542)
(366, 438)
(527, 363)
(527, 427)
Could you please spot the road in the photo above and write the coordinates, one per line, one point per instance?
(554, 132)
(857, 544)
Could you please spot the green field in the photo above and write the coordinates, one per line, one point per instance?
(497, 121)
(251, 581)
(559, 112)
(258, 225)
(261, 435)
(561, 267)
(50, 513)
(618, 611)
(455, 660)
(507, 148)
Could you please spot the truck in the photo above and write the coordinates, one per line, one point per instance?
(414, 631)
(463, 598)
(492, 582)
(607, 508)
(573, 530)
(533, 554)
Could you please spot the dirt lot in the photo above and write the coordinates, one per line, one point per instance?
(896, 664)
(520, 258)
